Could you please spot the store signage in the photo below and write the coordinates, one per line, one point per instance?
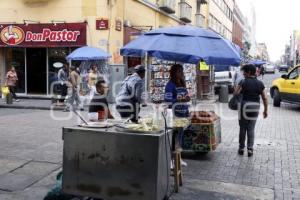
(43, 35)
(118, 25)
(102, 24)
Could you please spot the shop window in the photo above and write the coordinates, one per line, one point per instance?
(16, 57)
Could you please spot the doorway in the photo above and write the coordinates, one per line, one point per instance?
(36, 70)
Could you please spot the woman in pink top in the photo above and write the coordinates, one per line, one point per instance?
(11, 81)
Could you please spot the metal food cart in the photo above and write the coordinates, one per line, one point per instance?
(113, 165)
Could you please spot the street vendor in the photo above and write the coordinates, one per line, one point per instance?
(130, 96)
(99, 103)
(176, 94)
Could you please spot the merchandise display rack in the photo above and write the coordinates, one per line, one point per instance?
(160, 75)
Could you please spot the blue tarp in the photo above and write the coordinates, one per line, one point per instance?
(185, 44)
(88, 53)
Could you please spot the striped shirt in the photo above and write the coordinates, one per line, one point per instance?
(131, 91)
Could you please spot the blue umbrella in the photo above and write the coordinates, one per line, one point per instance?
(258, 62)
(185, 44)
(88, 53)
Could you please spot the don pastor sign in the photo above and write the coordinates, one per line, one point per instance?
(43, 35)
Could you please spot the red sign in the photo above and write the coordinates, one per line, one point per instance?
(43, 35)
(102, 24)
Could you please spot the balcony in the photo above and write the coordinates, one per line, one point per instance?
(200, 20)
(185, 14)
(167, 5)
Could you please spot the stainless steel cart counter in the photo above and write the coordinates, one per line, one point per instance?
(115, 165)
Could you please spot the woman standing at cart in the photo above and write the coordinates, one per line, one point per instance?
(176, 94)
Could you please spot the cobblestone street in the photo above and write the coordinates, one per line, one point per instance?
(31, 156)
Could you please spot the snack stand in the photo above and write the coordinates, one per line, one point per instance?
(123, 162)
(204, 134)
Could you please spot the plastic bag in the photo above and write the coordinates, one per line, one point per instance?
(5, 90)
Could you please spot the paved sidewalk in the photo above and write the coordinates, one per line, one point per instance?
(36, 104)
(273, 173)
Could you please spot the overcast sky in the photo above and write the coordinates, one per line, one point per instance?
(275, 22)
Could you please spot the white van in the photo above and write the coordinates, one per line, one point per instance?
(225, 78)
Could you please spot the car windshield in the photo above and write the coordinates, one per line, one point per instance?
(295, 73)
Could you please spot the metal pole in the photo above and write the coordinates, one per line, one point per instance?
(47, 68)
(146, 75)
(26, 71)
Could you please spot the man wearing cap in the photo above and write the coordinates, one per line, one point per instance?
(130, 97)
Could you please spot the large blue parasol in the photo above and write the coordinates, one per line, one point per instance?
(88, 53)
(187, 44)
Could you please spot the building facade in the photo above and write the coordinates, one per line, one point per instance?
(252, 33)
(238, 27)
(220, 14)
(35, 34)
(262, 52)
(295, 48)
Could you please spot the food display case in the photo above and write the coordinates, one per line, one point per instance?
(204, 133)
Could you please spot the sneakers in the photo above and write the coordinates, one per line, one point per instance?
(241, 151)
(183, 163)
(17, 100)
(250, 152)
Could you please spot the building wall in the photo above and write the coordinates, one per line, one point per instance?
(69, 11)
(238, 27)
(221, 17)
(137, 12)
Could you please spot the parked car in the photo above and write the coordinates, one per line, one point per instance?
(225, 78)
(286, 88)
(284, 68)
(270, 69)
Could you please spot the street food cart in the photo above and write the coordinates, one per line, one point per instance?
(117, 164)
(113, 164)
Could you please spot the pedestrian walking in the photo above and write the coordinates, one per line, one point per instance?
(63, 77)
(130, 96)
(251, 89)
(11, 82)
(262, 72)
(73, 90)
(238, 77)
(92, 79)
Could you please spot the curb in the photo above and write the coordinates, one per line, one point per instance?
(31, 107)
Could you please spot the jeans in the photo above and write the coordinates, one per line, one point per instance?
(130, 111)
(247, 122)
(12, 90)
(73, 97)
(247, 128)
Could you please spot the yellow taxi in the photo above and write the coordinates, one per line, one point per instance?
(286, 88)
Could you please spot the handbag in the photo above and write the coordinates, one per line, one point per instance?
(234, 102)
